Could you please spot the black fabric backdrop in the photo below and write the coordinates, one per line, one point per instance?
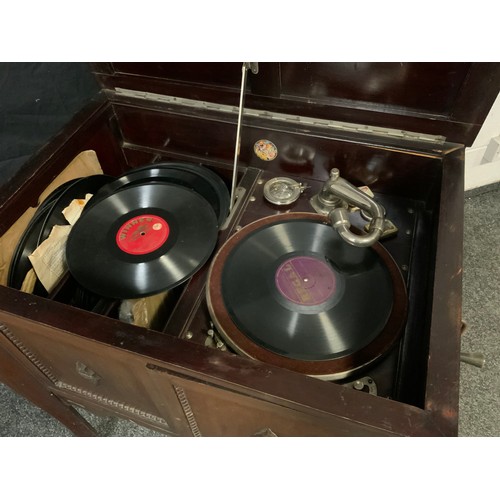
(36, 101)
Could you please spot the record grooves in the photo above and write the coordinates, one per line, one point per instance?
(48, 214)
(196, 177)
(141, 240)
(77, 189)
(289, 291)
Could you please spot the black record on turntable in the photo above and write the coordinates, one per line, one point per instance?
(289, 291)
(141, 240)
(196, 177)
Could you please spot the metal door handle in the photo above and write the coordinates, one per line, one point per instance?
(87, 373)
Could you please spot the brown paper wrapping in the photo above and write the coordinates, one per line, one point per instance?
(83, 165)
(148, 312)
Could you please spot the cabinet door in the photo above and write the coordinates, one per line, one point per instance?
(99, 377)
(23, 377)
(178, 394)
(220, 410)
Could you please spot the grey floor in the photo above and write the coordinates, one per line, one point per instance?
(479, 388)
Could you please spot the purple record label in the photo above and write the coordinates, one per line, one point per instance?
(307, 281)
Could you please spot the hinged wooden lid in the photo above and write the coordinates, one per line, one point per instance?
(446, 99)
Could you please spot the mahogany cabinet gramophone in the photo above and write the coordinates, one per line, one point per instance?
(397, 128)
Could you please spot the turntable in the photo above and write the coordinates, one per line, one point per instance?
(311, 274)
(287, 290)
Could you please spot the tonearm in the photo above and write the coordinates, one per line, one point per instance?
(333, 200)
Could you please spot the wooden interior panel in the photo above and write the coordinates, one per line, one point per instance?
(451, 99)
(378, 84)
(209, 139)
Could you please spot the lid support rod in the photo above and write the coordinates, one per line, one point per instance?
(255, 69)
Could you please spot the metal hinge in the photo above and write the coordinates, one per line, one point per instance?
(252, 66)
(311, 123)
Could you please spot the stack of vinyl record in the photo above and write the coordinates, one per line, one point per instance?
(48, 215)
(140, 234)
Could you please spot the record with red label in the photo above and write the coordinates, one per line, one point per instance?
(196, 177)
(289, 291)
(141, 240)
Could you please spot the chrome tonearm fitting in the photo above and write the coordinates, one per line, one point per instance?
(334, 199)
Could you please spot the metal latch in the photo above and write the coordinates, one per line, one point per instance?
(365, 384)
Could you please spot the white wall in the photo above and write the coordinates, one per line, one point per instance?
(482, 159)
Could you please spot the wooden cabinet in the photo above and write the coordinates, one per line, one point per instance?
(94, 376)
(173, 378)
